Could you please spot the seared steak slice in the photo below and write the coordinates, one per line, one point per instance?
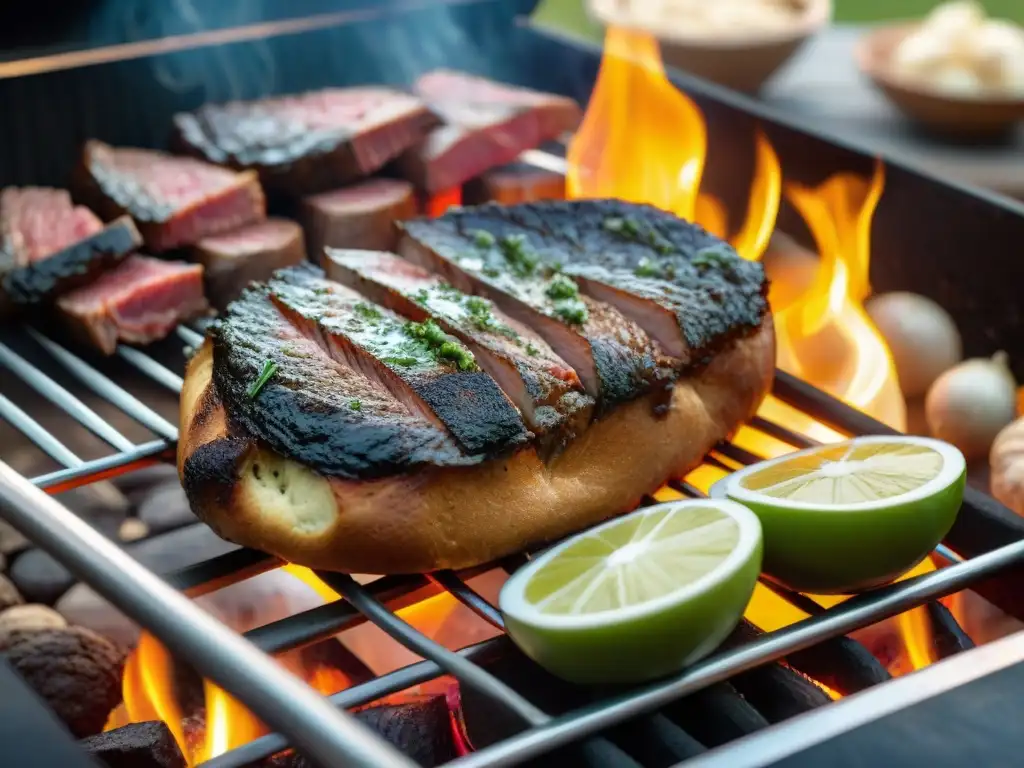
(545, 389)
(39, 282)
(487, 124)
(175, 201)
(308, 143)
(361, 216)
(36, 222)
(232, 260)
(688, 289)
(434, 374)
(140, 301)
(614, 358)
(282, 387)
(515, 183)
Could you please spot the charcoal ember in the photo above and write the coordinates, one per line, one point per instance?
(516, 183)
(165, 508)
(30, 617)
(360, 217)
(419, 727)
(716, 715)
(138, 745)
(75, 670)
(9, 594)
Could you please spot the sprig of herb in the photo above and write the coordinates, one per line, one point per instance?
(355, 405)
(267, 372)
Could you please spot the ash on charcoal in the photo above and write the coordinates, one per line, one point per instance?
(75, 670)
(165, 508)
(9, 594)
(139, 745)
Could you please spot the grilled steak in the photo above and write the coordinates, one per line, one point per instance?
(313, 407)
(486, 124)
(175, 201)
(431, 372)
(308, 143)
(232, 260)
(688, 290)
(310, 428)
(613, 357)
(31, 275)
(361, 216)
(140, 301)
(515, 183)
(543, 387)
(36, 222)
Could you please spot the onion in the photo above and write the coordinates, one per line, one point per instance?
(968, 405)
(921, 335)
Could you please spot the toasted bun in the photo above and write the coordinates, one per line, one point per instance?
(452, 518)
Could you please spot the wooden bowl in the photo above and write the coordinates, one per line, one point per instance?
(743, 61)
(979, 116)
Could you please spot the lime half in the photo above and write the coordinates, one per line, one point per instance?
(849, 516)
(637, 597)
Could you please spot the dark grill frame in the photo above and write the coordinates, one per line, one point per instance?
(377, 601)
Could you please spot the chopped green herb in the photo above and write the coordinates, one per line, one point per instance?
(477, 306)
(458, 354)
(562, 287)
(321, 291)
(427, 331)
(491, 271)
(405, 362)
(422, 297)
(355, 405)
(572, 311)
(367, 312)
(712, 257)
(521, 260)
(531, 350)
(439, 344)
(647, 268)
(483, 239)
(269, 369)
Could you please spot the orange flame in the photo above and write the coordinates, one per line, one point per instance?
(642, 140)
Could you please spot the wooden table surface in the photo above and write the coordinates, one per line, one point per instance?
(822, 84)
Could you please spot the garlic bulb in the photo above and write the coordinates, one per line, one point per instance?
(968, 405)
(922, 338)
(1006, 462)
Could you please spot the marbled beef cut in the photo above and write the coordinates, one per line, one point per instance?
(175, 201)
(307, 143)
(140, 301)
(486, 124)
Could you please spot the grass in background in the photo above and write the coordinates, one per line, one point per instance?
(570, 16)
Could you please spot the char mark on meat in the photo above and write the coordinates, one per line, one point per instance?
(690, 291)
(486, 124)
(138, 302)
(37, 222)
(175, 201)
(40, 282)
(544, 388)
(433, 373)
(308, 143)
(281, 387)
(614, 358)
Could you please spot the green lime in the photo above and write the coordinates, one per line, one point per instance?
(849, 516)
(638, 597)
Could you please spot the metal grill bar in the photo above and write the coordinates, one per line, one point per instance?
(152, 368)
(365, 604)
(276, 696)
(34, 431)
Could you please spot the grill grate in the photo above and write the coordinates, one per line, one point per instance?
(815, 646)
